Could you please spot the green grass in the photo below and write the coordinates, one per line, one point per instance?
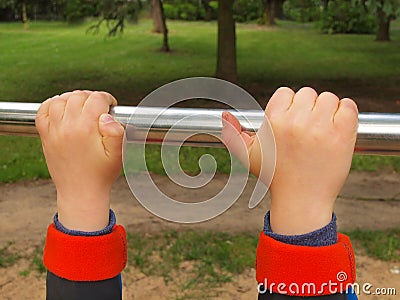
(214, 256)
(54, 57)
(7, 256)
(382, 244)
(21, 159)
(375, 163)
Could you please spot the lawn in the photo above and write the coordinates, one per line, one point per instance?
(54, 57)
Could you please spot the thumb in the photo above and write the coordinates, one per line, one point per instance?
(235, 139)
(112, 133)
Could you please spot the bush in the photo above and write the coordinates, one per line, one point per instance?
(191, 10)
(171, 11)
(347, 17)
(77, 10)
(247, 10)
(188, 10)
(302, 10)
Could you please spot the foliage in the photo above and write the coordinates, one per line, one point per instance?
(391, 8)
(247, 10)
(344, 16)
(188, 10)
(78, 10)
(114, 13)
(302, 10)
(36, 9)
(192, 10)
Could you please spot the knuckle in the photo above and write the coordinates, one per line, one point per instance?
(308, 90)
(328, 94)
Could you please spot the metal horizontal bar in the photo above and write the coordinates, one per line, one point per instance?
(378, 134)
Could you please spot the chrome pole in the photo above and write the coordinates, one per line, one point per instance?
(378, 134)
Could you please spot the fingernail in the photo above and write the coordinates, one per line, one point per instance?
(106, 119)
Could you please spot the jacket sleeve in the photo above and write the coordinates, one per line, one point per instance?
(58, 288)
(84, 267)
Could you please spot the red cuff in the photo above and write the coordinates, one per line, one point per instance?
(85, 258)
(302, 270)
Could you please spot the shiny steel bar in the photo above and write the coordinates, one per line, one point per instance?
(378, 134)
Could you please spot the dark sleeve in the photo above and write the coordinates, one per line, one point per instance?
(63, 289)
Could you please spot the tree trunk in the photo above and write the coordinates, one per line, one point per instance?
(226, 57)
(269, 13)
(383, 33)
(207, 9)
(279, 9)
(325, 4)
(157, 16)
(24, 16)
(165, 46)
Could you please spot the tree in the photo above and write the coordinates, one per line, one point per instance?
(160, 23)
(268, 17)
(24, 16)
(325, 4)
(207, 10)
(279, 9)
(226, 52)
(385, 11)
(116, 12)
(157, 16)
(17, 5)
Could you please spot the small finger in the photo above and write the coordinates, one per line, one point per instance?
(346, 117)
(235, 140)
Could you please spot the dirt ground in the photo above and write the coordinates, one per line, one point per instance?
(368, 200)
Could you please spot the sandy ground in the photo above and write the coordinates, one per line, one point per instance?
(368, 200)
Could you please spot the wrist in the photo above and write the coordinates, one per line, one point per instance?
(291, 218)
(86, 212)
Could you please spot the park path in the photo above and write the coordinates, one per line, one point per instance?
(368, 200)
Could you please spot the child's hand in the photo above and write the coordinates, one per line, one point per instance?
(315, 138)
(83, 148)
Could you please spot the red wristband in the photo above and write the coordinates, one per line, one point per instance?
(85, 258)
(302, 270)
